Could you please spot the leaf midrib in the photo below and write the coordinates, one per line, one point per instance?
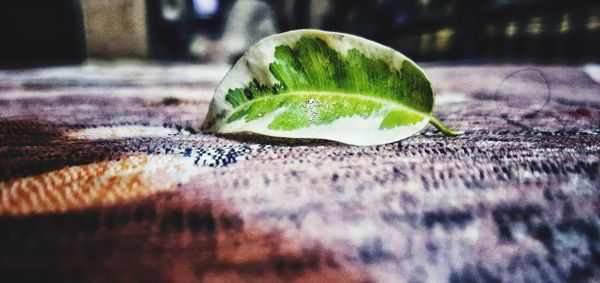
(332, 93)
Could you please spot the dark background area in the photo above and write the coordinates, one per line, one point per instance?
(36, 32)
(45, 32)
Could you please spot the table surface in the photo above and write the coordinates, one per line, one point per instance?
(104, 176)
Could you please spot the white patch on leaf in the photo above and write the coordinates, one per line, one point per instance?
(364, 131)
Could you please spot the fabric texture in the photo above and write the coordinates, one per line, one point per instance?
(105, 176)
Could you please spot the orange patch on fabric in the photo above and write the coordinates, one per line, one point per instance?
(97, 184)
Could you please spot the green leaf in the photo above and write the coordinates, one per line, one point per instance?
(324, 85)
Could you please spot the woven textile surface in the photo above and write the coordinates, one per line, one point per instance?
(105, 176)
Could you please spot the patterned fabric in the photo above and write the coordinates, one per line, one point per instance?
(104, 176)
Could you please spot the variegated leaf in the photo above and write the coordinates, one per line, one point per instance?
(323, 85)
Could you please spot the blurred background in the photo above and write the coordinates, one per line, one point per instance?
(46, 32)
